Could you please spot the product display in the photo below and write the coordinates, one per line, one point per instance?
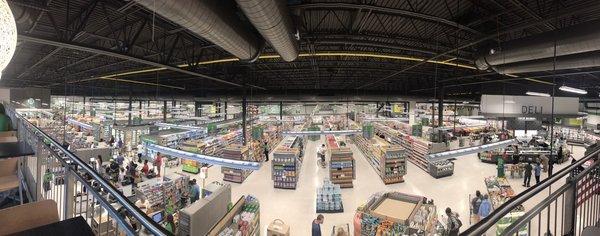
(286, 164)
(395, 213)
(440, 169)
(389, 161)
(242, 219)
(341, 162)
(329, 198)
(500, 191)
(166, 193)
(235, 152)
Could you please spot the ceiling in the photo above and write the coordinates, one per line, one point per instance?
(117, 47)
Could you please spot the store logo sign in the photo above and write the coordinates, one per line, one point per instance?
(532, 110)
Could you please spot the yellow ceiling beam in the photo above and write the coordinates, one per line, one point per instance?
(317, 54)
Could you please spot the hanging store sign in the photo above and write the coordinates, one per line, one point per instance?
(528, 106)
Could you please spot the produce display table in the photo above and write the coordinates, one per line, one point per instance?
(500, 191)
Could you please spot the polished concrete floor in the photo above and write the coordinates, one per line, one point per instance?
(297, 207)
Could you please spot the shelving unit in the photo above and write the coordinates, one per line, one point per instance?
(341, 164)
(389, 161)
(286, 164)
(246, 212)
(235, 152)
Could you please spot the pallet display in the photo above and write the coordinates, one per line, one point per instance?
(500, 191)
(341, 163)
(235, 152)
(242, 219)
(388, 160)
(329, 198)
(395, 213)
(286, 164)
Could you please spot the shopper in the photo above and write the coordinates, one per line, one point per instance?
(170, 224)
(516, 155)
(120, 159)
(454, 223)
(560, 153)
(48, 176)
(99, 164)
(321, 153)
(545, 163)
(500, 166)
(266, 150)
(145, 168)
(316, 225)
(527, 178)
(550, 166)
(5, 122)
(140, 151)
(158, 163)
(475, 202)
(485, 208)
(537, 171)
(194, 191)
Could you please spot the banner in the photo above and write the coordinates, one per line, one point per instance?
(528, 106)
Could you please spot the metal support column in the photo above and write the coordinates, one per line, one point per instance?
(173, 105)
(129, 109)
(280, 110)
(140, 111)
(197, 110)
(83, 106)
(244, 105)
(164, 111)
(225, 110)
(441, 108)
(432, 113)
(570, 204)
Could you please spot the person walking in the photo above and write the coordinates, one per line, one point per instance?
(158, 163)
(527, 178)
(475, 202)
(537, 171)
(266, 150)
(454, 223)
(485, 208)
(316, 225)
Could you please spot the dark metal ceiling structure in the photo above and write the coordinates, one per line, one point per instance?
(403, 47)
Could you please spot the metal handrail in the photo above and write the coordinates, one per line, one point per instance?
(148, 223)
(482, 226)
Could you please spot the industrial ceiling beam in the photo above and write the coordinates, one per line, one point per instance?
(488, 37)
(85, 48)
(386, 10)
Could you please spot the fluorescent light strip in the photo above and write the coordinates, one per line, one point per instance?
(572, 90)
(537, 94)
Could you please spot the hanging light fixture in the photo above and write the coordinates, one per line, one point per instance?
(572, 90)
(537, 94)
(8, 35)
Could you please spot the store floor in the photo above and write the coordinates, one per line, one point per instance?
(297, 207)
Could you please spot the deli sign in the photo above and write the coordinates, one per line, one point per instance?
(528, 106)
(532, 110)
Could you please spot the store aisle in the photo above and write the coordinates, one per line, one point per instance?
(297, 207)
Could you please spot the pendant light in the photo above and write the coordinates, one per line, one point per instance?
(8, 35)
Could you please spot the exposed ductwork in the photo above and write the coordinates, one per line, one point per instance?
(572, 40)
(209, 20)
(575, 61)
(271, 18)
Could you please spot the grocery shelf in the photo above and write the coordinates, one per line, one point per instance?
(211, 160)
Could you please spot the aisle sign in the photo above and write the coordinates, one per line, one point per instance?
(528, 106)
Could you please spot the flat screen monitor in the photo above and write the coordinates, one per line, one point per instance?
(158, 217)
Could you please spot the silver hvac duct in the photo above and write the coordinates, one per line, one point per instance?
(272, 19)
(575, 61)
(210, 20)
(572, 40)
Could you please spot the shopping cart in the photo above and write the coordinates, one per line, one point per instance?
(341, 230)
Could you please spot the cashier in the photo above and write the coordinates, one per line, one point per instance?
(142, 204)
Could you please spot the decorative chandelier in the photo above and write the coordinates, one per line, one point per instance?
(8, 35)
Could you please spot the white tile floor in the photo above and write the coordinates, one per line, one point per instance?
(297, 207)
